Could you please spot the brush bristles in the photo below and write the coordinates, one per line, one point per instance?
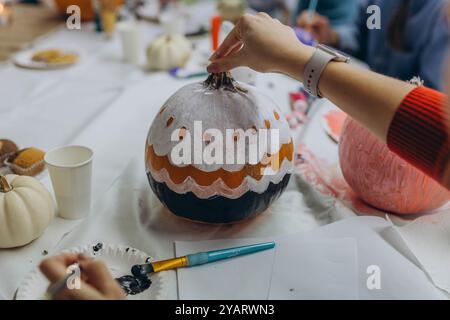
(141, 270)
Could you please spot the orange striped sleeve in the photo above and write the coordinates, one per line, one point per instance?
(419, 133)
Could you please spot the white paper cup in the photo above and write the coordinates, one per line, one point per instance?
(70, 170)
(129, 38)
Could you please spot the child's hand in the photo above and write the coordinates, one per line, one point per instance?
(263, 44)
(319, 26)
(97, 282)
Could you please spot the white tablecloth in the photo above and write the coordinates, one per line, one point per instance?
(101, 103)
(108, 105)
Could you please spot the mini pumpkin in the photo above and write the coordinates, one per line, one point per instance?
(26, 210)
(225, 172)
(168, 51)
(383, 179)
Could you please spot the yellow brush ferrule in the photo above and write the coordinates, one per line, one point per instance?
(170, 264)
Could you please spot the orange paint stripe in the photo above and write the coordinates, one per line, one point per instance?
(231, 179)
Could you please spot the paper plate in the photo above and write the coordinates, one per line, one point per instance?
(24, 60)
(119, 260)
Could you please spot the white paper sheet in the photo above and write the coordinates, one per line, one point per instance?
(379, 246)
(245, 277)
(315, 269)
(428, 238)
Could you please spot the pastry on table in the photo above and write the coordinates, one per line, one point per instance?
(27, 162)
(7, 148)
(54, 56)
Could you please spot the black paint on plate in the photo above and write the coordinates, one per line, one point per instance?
(133, 285)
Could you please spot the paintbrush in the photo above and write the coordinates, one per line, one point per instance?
(312, 9)
(197, 259)
(57, 287)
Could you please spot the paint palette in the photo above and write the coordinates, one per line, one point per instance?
(119, 260)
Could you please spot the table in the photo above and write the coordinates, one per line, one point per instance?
(108, 106)
(102, 103)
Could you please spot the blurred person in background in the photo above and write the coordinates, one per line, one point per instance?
(281, 9)
(337, 12)
(412, 41)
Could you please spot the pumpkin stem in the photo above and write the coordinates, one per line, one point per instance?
(4, 185)
(223, 80)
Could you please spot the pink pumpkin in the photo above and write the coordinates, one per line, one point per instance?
(381, 178)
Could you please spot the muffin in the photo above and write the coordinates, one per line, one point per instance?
(7, 148)
(27, 162)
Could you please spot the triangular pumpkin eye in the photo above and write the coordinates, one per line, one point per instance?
(169, 121)
(182, 133)
(277, 115)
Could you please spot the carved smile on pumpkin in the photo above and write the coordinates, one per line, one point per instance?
(231, 179)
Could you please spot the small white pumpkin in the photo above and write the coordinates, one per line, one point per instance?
(26, 210)
(168, 51)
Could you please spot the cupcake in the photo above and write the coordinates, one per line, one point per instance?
(7, 148)
(27, 162)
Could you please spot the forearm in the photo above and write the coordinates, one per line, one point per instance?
(368, 97)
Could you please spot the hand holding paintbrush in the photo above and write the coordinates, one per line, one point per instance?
(96, 281)
(317, 25)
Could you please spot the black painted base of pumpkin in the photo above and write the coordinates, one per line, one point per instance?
(217, 209)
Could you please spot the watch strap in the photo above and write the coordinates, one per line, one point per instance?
(314, 69)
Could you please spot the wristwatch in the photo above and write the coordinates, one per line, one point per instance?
(322, 56)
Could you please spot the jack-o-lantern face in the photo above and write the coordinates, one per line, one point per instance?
(218, 151)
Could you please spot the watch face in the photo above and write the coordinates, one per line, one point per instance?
(339, 56)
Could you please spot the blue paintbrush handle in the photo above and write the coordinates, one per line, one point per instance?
(216, 255)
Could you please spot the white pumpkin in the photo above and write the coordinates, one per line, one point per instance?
(26, 210)
(168, 51)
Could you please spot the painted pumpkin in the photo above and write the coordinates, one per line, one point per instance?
(381, 178)
(218, 151)
(26, 210)
(168, 51)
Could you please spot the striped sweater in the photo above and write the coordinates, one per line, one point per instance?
(420, 133)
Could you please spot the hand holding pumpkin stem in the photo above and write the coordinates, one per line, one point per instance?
(266, 45)
(261, 43)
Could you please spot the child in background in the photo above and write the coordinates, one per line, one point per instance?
(337, 12)
(412, 41)
(280, 9)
